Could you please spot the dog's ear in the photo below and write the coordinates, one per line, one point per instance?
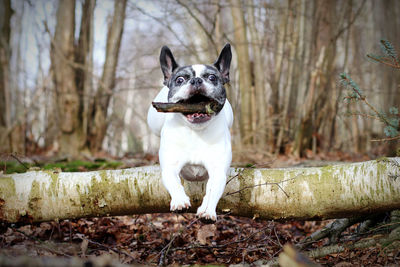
(168, 63)
(223, 62)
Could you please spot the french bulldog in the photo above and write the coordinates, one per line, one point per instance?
(195, 146)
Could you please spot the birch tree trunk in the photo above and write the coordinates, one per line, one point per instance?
(338, 191)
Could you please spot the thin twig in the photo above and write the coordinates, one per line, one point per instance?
(384, 62)
(378, 114)
(277, 238)
(237, 175)
(200, 24)
(386, 139)
(364, 115)
(350, 23)
(266, 183)
(43, 245)
(165, 250)
(20, 162)
(82, 237)
(282, 190)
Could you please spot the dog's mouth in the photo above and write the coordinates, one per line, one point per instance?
(198, 99)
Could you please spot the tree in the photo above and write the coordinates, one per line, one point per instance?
(338, 191)
(324, 51)
(62, 60)
(242, 50)
(83, 122)
(107, 83)
(84, 74)
(5, 53)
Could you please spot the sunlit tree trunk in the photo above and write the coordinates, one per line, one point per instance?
(259, 74)
(5, 53)
(107, 83)
(242, 51)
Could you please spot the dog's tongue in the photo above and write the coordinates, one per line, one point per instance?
(198, 117)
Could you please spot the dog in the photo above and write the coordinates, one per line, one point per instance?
(194, 146)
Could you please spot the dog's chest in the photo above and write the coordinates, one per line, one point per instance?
(192, 146)
(189, 142)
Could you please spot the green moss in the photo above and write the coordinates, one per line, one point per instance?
(246, 177)
(34, 199)
(7, 187)
(382, 159)
(13, 167)
(70, 166)
(77, 165)
(54, 182)
(98, 197)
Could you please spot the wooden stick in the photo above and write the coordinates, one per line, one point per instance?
(202, 107)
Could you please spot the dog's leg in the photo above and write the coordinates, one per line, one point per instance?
(171, 181)
(214, 190)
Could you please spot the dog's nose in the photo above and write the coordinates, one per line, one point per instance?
(196, 81)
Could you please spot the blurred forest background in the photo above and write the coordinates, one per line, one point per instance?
(77, 77)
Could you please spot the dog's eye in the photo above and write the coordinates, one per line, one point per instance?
(212, 77)
(179, 80)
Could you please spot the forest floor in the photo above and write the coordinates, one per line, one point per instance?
(181, 239)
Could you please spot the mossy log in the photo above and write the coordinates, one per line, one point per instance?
(326, 192)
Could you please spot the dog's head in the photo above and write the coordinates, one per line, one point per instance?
(196, 83)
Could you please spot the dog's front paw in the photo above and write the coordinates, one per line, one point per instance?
(206, 215)
(180, 203)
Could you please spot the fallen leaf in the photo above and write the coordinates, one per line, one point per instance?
(84, 246)
(205, 231)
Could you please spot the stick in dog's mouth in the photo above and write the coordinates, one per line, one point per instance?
(190, 106)
(196, 109)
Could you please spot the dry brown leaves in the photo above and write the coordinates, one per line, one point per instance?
(164, 239)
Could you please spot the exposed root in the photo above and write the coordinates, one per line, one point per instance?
(333, 231)
(390, 242)
(386, 241)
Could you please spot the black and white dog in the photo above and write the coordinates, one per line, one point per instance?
(194, 146)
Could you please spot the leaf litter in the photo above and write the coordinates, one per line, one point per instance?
(176, 239)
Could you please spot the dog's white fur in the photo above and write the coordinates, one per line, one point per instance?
(182, 143)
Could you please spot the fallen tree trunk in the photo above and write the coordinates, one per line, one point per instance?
(293, 193)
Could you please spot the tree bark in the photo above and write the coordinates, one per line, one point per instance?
(84, 57)
(259, 73)
(5, 94)
(289, 90)
(107, 82)
(62, 60)
(320, 87)
(338, 191)
(276, 79)
(242, 51)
